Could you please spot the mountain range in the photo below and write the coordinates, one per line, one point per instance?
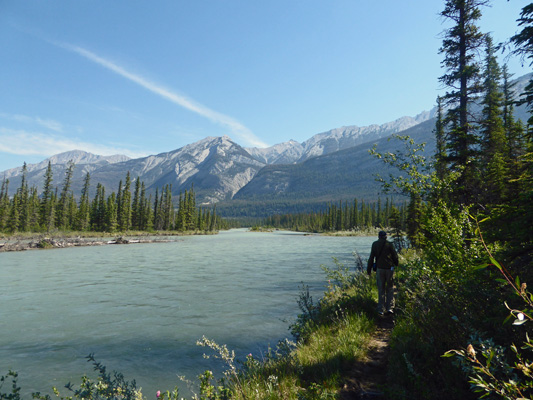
(290, 176)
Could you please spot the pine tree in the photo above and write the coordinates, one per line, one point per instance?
(136, 205)
(98, 210)
(63, 209)
(22, 203)
(148, 215)
(34, 210)
(48, 201)
(460, 47)
(520, 213)
(83, 217)
(14, 216)
(111, 213)
(190, 209)
(124, 209)
(493, 140)
(4, 205)
(397, 229)
(440, 135)
(523, 41)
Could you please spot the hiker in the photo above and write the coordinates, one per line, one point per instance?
(384, 257)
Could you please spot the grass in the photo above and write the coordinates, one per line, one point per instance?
(333, 335)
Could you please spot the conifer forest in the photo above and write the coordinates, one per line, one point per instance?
(130, 208)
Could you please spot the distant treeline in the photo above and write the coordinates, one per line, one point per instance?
(344, 216)
(29, 211)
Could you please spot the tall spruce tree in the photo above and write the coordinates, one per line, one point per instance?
(136, 209)
(48, 201)
(23, 202)
(440, 135)
(523, 42)
(63, 207)
(493, 140)
(461, 45)
(4, 205)
(83, 217)
(98, 210)
(111, 213)
(520, 213)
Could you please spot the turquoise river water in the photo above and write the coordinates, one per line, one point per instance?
(140, 308)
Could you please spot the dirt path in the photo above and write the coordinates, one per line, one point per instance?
(369, 376)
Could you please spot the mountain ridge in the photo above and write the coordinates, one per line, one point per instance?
(218, 166)
(330, 165)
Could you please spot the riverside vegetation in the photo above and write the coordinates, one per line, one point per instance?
(464, 311)
(27, 211)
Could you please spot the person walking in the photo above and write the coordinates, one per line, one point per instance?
(384, 257)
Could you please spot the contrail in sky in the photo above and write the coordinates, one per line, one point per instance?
(236, 127)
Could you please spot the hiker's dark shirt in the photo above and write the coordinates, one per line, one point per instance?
(387, 255)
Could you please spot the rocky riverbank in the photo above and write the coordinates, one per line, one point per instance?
(18, 244)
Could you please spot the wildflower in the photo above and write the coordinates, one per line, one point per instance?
(523, 288)
(520, 319)
(158, 394)
(471, 352)
(250, 355)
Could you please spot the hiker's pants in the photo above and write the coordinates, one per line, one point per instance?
(385, 280)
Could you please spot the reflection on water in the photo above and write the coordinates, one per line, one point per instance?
(141, 308)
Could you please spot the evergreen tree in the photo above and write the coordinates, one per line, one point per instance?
(148, 215)
(157, 213)
(190, 210)
(493, 140)
(170, 217)
(397, 229)
(440, 135)
(48, 201)
(4, 205)
(460, 47)
(23, 202)
(124, 208)
(145, 222)
(180, 216)
(14, 216)
(34, 210)
(63, 207)
(111, 213)
(136, 206)
(519, 213)
(523, 42)
(98, 210)
(83, 217)
(214, 222)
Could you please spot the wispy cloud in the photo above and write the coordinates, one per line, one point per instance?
(22, 142)
(45, 123)
(238, 129)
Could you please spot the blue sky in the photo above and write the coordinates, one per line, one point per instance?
(144, 77)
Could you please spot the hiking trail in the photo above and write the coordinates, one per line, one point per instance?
(368, 376)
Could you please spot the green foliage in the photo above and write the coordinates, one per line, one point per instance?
(15, 389)
(491, 372)
(346, 216)
(26, 212)
(443, 296)
(107, 386)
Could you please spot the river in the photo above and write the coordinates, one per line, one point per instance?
(140, 308)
